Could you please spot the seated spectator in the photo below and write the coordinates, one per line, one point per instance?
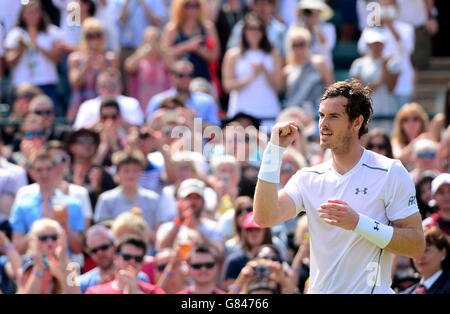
(410, 124)
(380, 74)
(441, 121)
(128, 261)
(379, 142)
(440, 189)
(424, 197)
(86, 63)
(433, 265)
(169, 272)
(32, 139)
(108, 84)
(10, 265)
(148, 68)
(181, 76)
(32, 51)
(306, 74)
(128, 194)
(252, 72)
(275, 30)
(47, 204)
(190, 226)
(424, 158)
(82, 146)
(191, 36)
(100, 245)
(45, 268)
(203, 269)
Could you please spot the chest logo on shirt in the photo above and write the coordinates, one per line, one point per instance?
(363, 190)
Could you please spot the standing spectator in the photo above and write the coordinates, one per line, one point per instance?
(86, 63)
(168, 270)
(111, 203)
(25, 212)
(148, 68)
(203, 268)
(274, 29)
(46, 267)
(313, 14)
(10, 264)
(399, 43)
(380, 73)
(132, 17)
(410, 123)
(82, 146)
(108, 84)
(190, 35)
(19, 174)
(440, 188)
(252, 72)
(181, 77)
(379, 142)
(128, 262)
(8, 189)
(433, 266)
(32, 50)
(306, 74)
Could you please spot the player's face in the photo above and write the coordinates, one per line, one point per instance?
(336, 131)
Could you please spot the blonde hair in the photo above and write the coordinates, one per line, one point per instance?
(89, 24)
(177, 13)
(406, 110)
(131, 222)
(42, 224)
(293, 32)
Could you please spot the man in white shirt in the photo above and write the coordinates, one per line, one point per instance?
(358, 203)
(109, 85)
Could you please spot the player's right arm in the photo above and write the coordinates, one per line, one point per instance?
(271, 208)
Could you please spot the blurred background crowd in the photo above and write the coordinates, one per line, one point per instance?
(99, 191)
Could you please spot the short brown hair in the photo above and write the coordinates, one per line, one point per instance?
(40, 155)
(359, 102)
(435, 237)
(121, 158)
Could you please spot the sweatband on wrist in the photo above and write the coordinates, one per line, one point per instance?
(234, 288)
(8, 247)
(168, 273)
(271, 163)
(37, 273)
(374, 231)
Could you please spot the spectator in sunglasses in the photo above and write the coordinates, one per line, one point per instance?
(379, 142)
(86, 63)
(100, 245)
(108, 84)
(46, 266)
(168, 271)
(203, 269)
(128, 261)
(424, 158)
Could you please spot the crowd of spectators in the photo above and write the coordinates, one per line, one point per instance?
(108, 184)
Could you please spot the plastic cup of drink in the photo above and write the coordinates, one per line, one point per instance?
(184, 249)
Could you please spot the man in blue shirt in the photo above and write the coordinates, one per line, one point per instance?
(181, 77)
(50, 203)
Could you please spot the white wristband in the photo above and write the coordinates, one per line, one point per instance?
(374, 231)
(271, 163)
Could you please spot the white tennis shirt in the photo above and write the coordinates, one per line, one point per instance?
(343, 261)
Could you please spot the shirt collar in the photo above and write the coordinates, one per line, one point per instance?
(430, 281)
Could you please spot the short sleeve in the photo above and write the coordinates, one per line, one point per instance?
(100, 212)
(400, 193)
(293, 189)
(11, 40)
(16, 220)
(76, 220)
(355, 69)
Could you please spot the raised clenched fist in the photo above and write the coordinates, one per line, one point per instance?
(284, 133)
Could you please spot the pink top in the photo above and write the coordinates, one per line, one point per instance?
(107, 288)
(189, 290)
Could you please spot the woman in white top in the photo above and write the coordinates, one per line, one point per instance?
(32, 50)
(252, 73)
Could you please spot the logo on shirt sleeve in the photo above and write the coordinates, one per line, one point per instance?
(412, 200)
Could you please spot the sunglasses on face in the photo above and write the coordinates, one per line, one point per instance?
(46, 237)
(245, 210)
(61, 159)
(183, 75)
(192, 5)
(109, 117)
(102, 248)
(161, 268)
(299, 44)
(32, 134)
(129, 257)
(253, 28)
(25, 95)
(423, 155)
(198, 266)
(95, 35)
(377, 146)
(44, 112)
(85, 140)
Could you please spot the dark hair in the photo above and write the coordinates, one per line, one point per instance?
(172, 100)
(43, 23)
(359, 102)
(376, 132)
(55, 144)
(92, 7)
(132, 240)
(267, 239)
(110, 102)
(40, 155)
(426, 177)
(447, 108)
(264, 44)
(121, 158)
(203, 249)
(278, 257)
(436, 237)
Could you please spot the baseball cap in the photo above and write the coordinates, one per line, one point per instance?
(249, 222)
(190, 186)
(443, 178)
(326, 11)
(373, 35)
